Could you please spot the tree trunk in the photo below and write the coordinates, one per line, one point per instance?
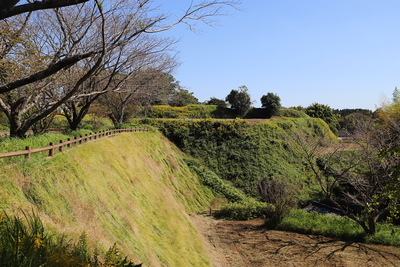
(372, 219)
(372, 225)
(75, 117)
(17, 130)
(74, 124)
(369, 227)
(117, 117)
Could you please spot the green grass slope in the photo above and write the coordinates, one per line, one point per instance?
(134, 189)
(243, 153)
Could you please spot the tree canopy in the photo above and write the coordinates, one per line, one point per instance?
(271, 103)
(240, 100)
(217, 102)
(325, 113)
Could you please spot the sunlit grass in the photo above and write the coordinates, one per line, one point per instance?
(343, 228)
(134, 189)
(314, 223)
(25, 242)
(17, 144)
(387, 234)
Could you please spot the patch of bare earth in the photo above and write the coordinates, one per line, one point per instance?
(247, 243)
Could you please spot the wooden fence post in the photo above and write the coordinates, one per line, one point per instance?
(51, 151)
(61, 147)
(29, 153)
(69, 144)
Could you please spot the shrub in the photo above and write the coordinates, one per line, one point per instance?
(245, 210)
(293, 113)
(24, 242)
(191, 112)
(281, 195)
(93, 123)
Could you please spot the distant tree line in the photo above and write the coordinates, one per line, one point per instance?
(240, 102)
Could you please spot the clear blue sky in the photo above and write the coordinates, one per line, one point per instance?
(342, 53)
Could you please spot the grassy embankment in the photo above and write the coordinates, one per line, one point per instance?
(243, 154)
(133, 189)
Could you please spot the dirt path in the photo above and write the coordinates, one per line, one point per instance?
(232, 243)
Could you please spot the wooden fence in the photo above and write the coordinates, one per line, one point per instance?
(68, 143)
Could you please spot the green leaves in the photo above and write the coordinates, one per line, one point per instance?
(240, 100)
(25, 243)
(242, 153)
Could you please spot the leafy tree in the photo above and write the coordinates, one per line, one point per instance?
(217, 102)
(351, 121)
(160, 90)
(348, 111)
(166, 90)
(396, 95)
(348, 119)
(240, 100)
(271, 103)
(299, 108)
(325, 113)
(135, 91)
(182, 97)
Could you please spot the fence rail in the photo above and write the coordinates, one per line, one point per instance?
(68, 143)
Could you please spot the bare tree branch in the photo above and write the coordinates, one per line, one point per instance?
(8, 8)
(45, 73)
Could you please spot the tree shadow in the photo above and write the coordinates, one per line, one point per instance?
(325, 251)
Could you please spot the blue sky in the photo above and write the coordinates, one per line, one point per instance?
(341, 53)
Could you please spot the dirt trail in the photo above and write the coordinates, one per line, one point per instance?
(232, 243)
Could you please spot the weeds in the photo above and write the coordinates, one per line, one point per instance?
(24, 242)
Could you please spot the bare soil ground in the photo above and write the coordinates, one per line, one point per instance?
(248, 243)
